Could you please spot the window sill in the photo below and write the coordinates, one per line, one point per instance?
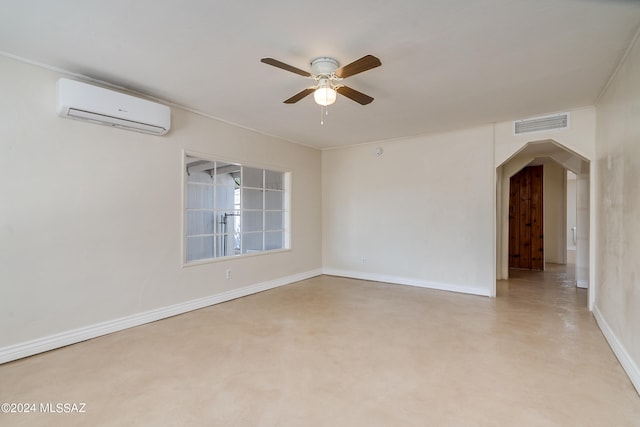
(233, 257)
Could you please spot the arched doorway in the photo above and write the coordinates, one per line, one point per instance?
(536, 152)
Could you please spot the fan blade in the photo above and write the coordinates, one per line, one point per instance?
(284, 66)
(298, 96)
(354, 95)
(365, 63)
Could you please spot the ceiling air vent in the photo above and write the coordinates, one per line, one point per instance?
(538, 124)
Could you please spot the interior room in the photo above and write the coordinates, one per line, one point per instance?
(292, 213)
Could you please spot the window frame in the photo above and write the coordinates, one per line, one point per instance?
(286, 209)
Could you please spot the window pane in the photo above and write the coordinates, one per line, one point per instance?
(251, 199)
(274, 220)
(199, 196)
(274, 200)
(251, 242)
(252, 177)
(252, 221)
(200, 222)
(227, 179)
(274, 240)
(199, 248)
(227, 245)
(273, 180)
(200, 177)
(224, 198)
(227, 173)
(227, 222)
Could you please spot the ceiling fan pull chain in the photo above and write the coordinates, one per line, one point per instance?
(324, 111)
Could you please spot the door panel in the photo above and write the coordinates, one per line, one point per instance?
(526, 240)
(537, 213)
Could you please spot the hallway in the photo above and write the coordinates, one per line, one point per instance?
(554, 286)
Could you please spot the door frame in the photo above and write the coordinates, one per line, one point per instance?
(575, 162)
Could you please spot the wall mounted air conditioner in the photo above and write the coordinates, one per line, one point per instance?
(81, 101)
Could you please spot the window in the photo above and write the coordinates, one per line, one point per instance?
(232, 210)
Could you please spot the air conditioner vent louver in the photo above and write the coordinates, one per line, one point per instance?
(538, 124)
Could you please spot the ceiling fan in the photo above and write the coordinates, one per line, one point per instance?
(328, 74)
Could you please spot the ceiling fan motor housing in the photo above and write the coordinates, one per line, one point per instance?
(323, 66)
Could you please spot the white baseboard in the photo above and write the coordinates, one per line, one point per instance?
(50, 342)
(584, 284)
(407, 281)
(628, 364)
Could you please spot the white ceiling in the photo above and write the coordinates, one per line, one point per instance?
(445, 64)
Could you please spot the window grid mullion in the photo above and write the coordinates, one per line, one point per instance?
(262, 206)
(215, 210)
(242, 210)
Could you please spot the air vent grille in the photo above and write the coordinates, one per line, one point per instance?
(538, 124)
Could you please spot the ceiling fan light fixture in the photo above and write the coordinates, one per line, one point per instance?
(324, 94)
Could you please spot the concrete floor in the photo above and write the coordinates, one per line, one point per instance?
(332, 351)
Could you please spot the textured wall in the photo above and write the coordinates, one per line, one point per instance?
(618, 205)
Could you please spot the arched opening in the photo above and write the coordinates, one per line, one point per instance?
(551, 153)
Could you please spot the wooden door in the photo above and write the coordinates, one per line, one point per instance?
(526, 239)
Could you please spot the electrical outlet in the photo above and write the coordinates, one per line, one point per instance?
(364, 259)
(228, 274)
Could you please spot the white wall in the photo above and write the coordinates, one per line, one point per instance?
(90, 225)
(585, 265)
(422, 213)
(580, 137)
(571, 212)
(618, 208)
(554, 207)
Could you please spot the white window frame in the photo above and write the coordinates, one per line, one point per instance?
(286, 219)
